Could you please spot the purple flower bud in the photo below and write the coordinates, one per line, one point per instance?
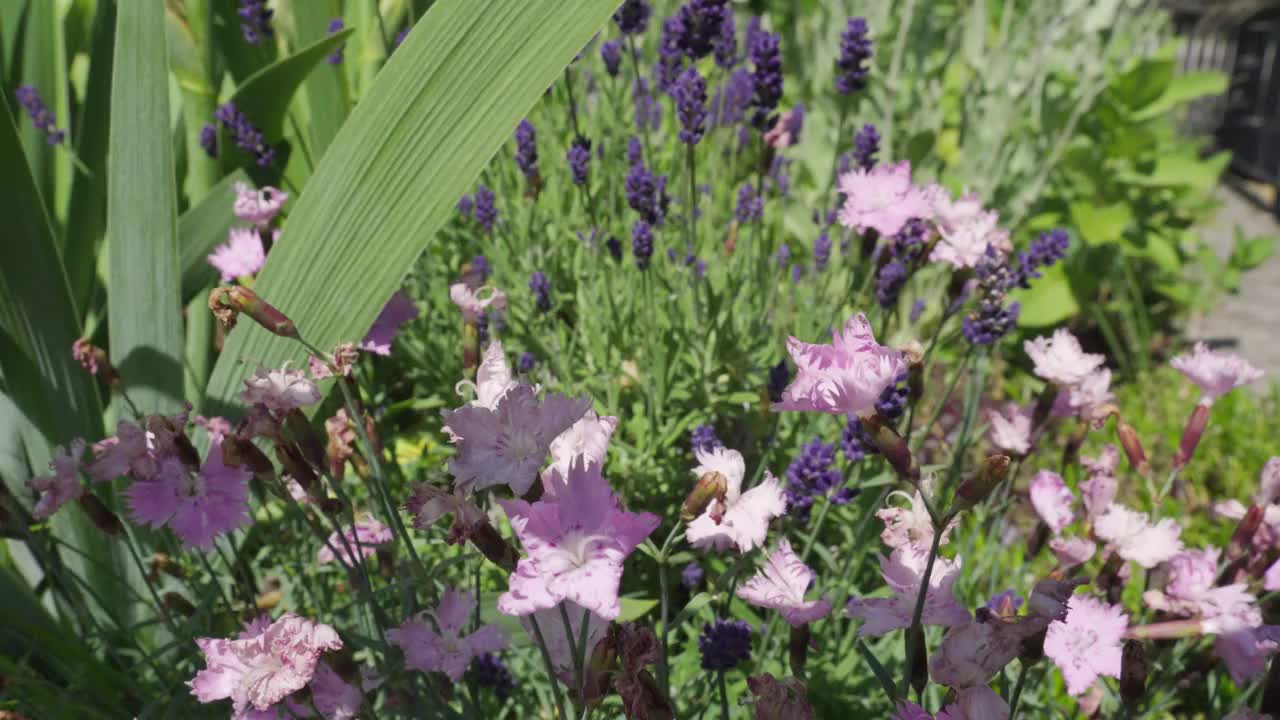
(611, 54)
(779, 376)
(690, 96)
(889, 283)
(855, 50)
(335, 57)
(648, 111)
(488, 671)
(917, 309)
(642, 243)
(635, 151)
(866, 145)
(465, 204)
(209, 139)
(527, 361)
(480, 266)
(540, 286)
(255, 20)
(797, 272)
(400, 36)
(724, 644)
(29, 98)
(691, 576)
(633, 17)
(766, 60)
(703, 438)
(486, 213)
(750, 206)
(702, 22)
(782, 256)
(732, 98)
(527, 150)
(726, 42)
(821, 252)
(579, 158)
(670, 53)
(246, 136)
(615, 248)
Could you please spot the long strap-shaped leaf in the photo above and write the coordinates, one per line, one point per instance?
(145, 306)
(444, 103)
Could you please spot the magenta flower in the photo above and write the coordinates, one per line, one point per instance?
(881, 198)
(587, 438)
(559, 647)
(1060, 359)
(198, 507)
(1135, 538)
(781, 586)
(1010, 428)
(64, 485)
(742, 519)
(258, 206)
(845, 377)
(1086, 644)
(264, 665)
(333, 696)
(576, 546)
(976, 703)
(908, 710)
(442, 646)
(125, 453)
(363, 539)
(1052, 500)
(973, 653)
(1072, 551)
(1192, 590)
(473, 302)
(399, 310)
(910, 525)
(1216, 373)
(506, 445)
(241, 255)
(280, 389)
(903, 571)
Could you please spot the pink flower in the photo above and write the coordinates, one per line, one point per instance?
(473, 302)
(908, 710)
(1243, 642)
(1086, 644)
(428, 504)
(903, 571)
(587, 438)
(1216, 373)
(1060, 359)
(782, 584)
(972, 654)
(280, 389)
(506, 445)
(1086, 398)
(1271, 579)
(344, 359)
(1010, 428)
(1072, 551)
(1135, 538)
(333, 697)
(780, 136)
(443, 647)
(362, 540)
(64, 485)
(742, 519)
(881, 198)
(910, 525)
(1269, 482)
(1192, 591)
(198, 507)
(1052, 500)
(559, 647)
(964, 243)
(1097, 493)
(493, 377)
(258, 206)
(399, 310)
(976, 703)
(576, 546)
(264, 665)
(845, 377)
(1106, 462)
(240, 256)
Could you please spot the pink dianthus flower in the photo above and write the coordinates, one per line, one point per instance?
(903, 572)
(782, 585)
(882, 198)
(845, 377)
(443, 647)
(1087, 643)
(1216, 373)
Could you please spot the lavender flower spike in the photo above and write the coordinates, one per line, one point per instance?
(29, 98)
(255, 20)
(690, 96)
(766, 59)
(246, 135)
(335, 57)
(855, 50)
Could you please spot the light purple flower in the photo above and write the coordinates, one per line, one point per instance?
(1052, 500)
(64, 485)
(903, 571)
(781, 586)
(1086, 398)
(1087, 644)
(881, 198)
(473, 302)
(1216, 373)
(1072, 551)
(964, 244)
(362, 539)
(241, 255)
(1060, 359)
(742, 519)
(399, 310)
(258, 206)
(333, 697)
(1135, 538)
(280, 389)
(1106, 462)
(1192, 589)
(587, 438)
(910, 525)
(976, 703)
(196, 506)
(972, 654)
(442, 646)
(845, 377)
(1010, 428)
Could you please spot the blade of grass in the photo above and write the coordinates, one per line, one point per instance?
(40, 68)
(327, 98)
(191, 60)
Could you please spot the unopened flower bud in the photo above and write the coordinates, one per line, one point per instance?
(332, 507)
(162, 563)
(1132, 447)
(494, 547)
(1173, 630)
(919, 670)
(101, 517)
(1196, 424)
(299, 430)
(978, 486)
(94, 360)
(179, 604)
(239, 452)
(1134, 668)
(711, 487)
(798, 649)
(601, 665)
(229, 301)
(892, 446)
(1245, 530)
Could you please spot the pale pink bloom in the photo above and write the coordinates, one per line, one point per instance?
(333, 696)
(1243, 643)
(559, 647)
(1135, 538)
(63, 485)
(1086, 644)
(1271, 579)
(399, 310)
(972, 654)
(1072, 551)
(910, 525)
(1192, 590)
(587, 438)
(1216, 373)
(125, 453)
(964, 243)
(263, 666)
(976, 703)
(442, 646)
(198, 507)
(1097, 493)
(881, 198)
(1010, 429)
(493, 377)
(506, 444)
(280, 389)
(241, 255)
(1052, 500)
(780, 135)
(1060, 359)
(1106, 462)
(363, 540)
(473, 302)
(344, 358)
(1091, 701)
(576, 546)
(428, 504)
(258, 206)
(908, 710)
(1269, 482)
(1086, 398)
(782, 584)
(845, 377)
(903, 571)
(742, 519)
(296, 491)
(948, 213)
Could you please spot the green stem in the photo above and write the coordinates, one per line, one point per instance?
(1016, 695)
(550, 667)
(895, 67)
(919, 608)
(724, 696)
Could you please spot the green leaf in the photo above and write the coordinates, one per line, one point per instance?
(202, 228)
(1184, 169)
(144, 312)
(1099, 225)
(1249, 253)
(1184, 88)
(446, 100)
(1145, 83)
(1163, 252)
(264, 97)
(326, 91)
(1049, 301)
(635, 608)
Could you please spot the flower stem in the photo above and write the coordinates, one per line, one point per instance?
(1017, 689)
(919, 609)
(551, 670)
(635, 66)
(664, 671)
(724, 696)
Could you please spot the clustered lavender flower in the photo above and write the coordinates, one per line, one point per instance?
(1045, 250)
(540, 286)
(704, 438)
(821, 252)
(727, 42)
(527, 361)
(701, 23)
(486, 213)
(246, 136)
(670, 53)
(527, 151)
(633, 17)
(766, 61)
(750, 205)
(579, 158)
(855, 50)
(209, 139)
(335, 57)
(691, 576)
(732, 98)
(648, 111)
(993, 319)
(724, 644)
(489, 671)
(614, 245)
(41, 116)
(690, 96)
(635, 151)
(255, 20)
(782, 256)
(642, 243)
(646, 194)
(866, 145)
(481, 267)
(904, 249)
(611, 54)
(810, 475)
(465, 205)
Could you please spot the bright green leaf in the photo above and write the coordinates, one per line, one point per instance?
(635, 608)
(1049, 301)
(1183, 88)
(1099, 225)
(264, 97)
(1249, 253)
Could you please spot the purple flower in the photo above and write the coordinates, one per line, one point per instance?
(866, 145)
(670, 53)
(701, 22)
(726, 42)
(642, 243)
(1045, 250)
(436, 640)
(633, 17)
(527, 362)
(778, 177)
(691, 576)
(481, 267)
(488, 670)
(579, 158)
(812, 474)
(990, 322)
(635, 151)
(335, 57)
(400, 36)
(732, 98)
(527, 150)
(611, 54)
(766, 61)
(486, 213)
(246, 136)
(648, 114)
(855, 49)
(643, 194)
(797, 272)
(29, 98)
(255, 20)
(540, 286)
(614, 246)
(821, 252)
(465, 205)
(917, 309)
(703, 438)
(198, 507)
(782, 256)
(724, 644)
(690, 96)
(209, 139)
(750, 206)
